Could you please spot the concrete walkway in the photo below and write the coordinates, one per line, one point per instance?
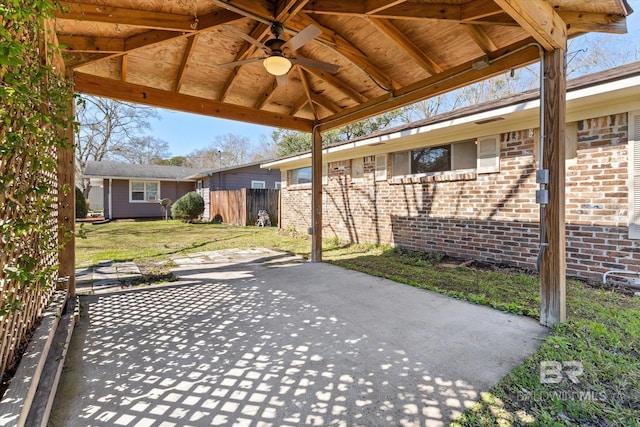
(257, 338)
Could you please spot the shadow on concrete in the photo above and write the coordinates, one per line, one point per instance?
(279, 342)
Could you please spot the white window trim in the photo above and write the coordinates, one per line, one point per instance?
(278, 185)
(264, 185)
(159, 197)
(633, 148)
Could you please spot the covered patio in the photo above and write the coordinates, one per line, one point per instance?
(341, 64)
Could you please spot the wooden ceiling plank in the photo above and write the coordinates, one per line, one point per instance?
(123, 16)
(594, 22)
(110, 88)
(298, 105)
(184, 64)
(253, 9)
(266, 96)
(539, 19)
(481, 38)
(152, 37)
(307, 91)
(227, 84)
(479, 9)
(448, 80)
(375, 6)
(91, 44)
(343, 47)
(418, 55)
(338, 84)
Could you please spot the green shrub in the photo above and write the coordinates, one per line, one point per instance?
(188, 207)
(81, 204)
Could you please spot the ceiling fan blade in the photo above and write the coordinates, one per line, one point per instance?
(307, 34)
(244, 36)
(238, 63)
(282, 79)
(324, 66)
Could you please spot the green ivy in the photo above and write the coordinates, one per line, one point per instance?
(34, 114)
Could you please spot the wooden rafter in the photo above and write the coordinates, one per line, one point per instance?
(184, 64)
(539, 19)
(288, 8)
(266, 96)
(342, 46)
(375, 6)
(450, 79)
(91, 44)
(481, 38)
(338, 84)
(251, 8)
(101, 86)
(325, 102)
(408, 46)
(307, 91)
(299, 105)
(123, 67)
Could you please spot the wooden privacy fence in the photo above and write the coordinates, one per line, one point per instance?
(240, 207)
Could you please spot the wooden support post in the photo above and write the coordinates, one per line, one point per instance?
(316, 196)
(553, 265)
(67, 212)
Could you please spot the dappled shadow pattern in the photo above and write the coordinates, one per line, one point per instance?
(243, 353)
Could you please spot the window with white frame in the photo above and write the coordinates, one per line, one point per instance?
(278, 185)
(144, 191)
(381, 167)
(634, 175)
(300, 176)
(258, 184)
(481, 154)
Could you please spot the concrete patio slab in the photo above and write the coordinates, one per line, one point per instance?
(273, 341)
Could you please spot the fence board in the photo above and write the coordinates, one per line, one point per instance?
(240, 207)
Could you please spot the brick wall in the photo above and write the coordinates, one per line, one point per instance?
(490, 217)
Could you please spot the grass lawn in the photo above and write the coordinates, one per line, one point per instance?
(601, 339)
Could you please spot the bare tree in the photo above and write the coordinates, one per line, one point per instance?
(141, 150)
(105, 125)
(225, 151)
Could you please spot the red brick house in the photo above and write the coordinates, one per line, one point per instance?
(464, 183)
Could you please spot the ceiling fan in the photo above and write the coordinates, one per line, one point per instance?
(278, 60)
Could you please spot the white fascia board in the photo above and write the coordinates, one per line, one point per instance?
(608, 98)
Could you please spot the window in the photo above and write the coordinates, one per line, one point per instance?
(325, 173)
(301, 176)
(634, 175)
(258, 184)
(144, 191)
(199, 185)
(357, 168)
(278, 185)
(482, 155)
(381, 167)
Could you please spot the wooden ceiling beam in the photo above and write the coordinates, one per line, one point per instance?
(479, 9)
(118, 15)
(253, 9)
(594, 22)
(124, 64)
(91, 44)
(288, 8)
(298, 105)
(325, 102)
(539, 19)
(514, 56)
(338, 84)
(110, 88)
(184, 64)
(266, 96)
(481, 38)
(307, 91)
(408, 46)
(341, 46)
(375, 6)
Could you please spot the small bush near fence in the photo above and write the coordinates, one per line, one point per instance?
(81, 204)
(188, 207)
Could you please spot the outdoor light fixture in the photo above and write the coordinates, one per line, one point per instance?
(277, 65)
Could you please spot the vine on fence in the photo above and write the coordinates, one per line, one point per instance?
(35, 111)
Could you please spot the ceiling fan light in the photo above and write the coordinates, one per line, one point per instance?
(277, 65)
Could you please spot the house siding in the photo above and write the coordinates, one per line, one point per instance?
(489, 217)
(239, 178)
(122, 208)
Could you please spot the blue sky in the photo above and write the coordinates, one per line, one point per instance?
(188, 132)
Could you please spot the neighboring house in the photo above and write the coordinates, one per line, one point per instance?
(464, 182)
(249, 175)
(135, 191)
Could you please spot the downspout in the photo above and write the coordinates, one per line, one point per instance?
(542, 174)
(110, 199)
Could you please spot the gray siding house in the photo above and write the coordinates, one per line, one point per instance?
(135, 191)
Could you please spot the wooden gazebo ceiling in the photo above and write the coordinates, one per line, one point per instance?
(166, 53)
